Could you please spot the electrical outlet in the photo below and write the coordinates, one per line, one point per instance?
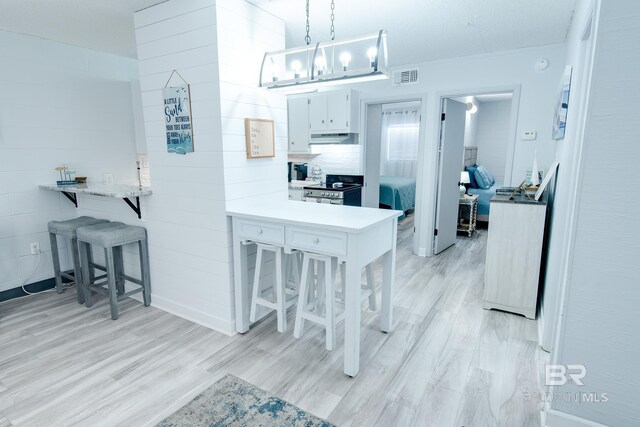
(35, 248)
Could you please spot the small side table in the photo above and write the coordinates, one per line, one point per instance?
(467, 213)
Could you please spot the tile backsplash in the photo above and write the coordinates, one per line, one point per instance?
(333, 158)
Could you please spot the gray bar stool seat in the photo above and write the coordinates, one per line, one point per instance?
(111, 238)
(69, 229)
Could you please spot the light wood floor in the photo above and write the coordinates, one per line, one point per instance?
(447, 363)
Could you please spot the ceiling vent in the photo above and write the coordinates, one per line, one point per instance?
(404, 77)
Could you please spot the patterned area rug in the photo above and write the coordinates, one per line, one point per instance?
(233, 402)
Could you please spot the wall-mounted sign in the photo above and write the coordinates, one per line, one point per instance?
(177, 113)
(259, 136)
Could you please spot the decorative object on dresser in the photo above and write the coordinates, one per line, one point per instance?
(514, 253)
(468, 213)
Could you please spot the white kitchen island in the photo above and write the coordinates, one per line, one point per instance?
(355, 235)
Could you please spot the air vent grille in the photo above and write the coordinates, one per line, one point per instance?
(405, 77)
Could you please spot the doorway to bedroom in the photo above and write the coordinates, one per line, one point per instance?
(475, 158)
(392, 141)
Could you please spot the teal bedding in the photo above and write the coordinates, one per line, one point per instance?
(398, 192)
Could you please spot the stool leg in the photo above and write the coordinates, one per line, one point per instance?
(84, 250)
(343, 274)
(330, 296)
(143, 249)
(119, 268)
(77, 270)
(111, 282)
(371, 285)
(320, 286)
(281, 294)
(303, 298)
(56, 261)
(256, 285)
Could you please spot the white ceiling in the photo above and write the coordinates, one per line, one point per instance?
(424, 30)
(103, 25)
(419, 30)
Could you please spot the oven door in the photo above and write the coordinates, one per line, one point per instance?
(323, 200)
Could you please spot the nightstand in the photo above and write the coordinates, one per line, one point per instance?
(467, 213)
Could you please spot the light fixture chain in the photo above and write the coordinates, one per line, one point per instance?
(307, 38)
(333, 28)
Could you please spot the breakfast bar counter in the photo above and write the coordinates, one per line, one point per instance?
(119, 191)
(355, 235)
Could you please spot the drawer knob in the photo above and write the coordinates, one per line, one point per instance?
(316, 240)
(259, 230)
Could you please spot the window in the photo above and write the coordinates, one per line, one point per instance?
(402, 142)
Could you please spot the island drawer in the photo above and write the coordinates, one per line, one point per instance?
(262, 232)
(317, 241)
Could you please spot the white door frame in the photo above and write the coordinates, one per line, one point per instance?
(513, 130)
(409, 97)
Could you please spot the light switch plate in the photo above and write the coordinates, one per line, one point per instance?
(108, 178)
(529, 135)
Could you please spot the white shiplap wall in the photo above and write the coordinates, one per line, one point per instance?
(60, 105)
(185, 217)
(216, 47)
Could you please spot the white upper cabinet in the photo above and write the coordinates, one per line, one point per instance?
(298, 121)
(334, 112)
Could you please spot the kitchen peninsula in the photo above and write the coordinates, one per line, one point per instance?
(355, 235)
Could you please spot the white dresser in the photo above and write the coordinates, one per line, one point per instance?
(514, 252)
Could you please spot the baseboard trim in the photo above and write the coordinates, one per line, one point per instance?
(40, 286)
(555, 418)
(220, 325)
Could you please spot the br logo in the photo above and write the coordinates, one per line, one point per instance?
(560, 374)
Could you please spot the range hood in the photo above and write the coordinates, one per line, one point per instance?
(334, 138)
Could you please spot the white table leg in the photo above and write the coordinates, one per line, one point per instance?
(388, 276)
(352, 314)
(241, 285)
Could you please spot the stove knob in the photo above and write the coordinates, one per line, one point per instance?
(323, 194)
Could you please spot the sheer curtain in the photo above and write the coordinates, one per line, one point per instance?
(400, 129)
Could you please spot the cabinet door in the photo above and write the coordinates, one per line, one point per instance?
(298, 118)
(318, 113)
(338, 109)
(296, 194)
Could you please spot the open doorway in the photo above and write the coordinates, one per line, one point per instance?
(392, 145)
(475, 158)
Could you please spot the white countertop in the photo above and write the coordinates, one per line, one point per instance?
(300, 184)
(352, 219)
(120, 191)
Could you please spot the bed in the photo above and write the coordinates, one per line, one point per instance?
(484, 195)
(398, 192)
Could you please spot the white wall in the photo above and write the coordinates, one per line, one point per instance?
(471, 122)
(215, 46)
(599, 328)
(568, 150)
(499, 72)
(492, 136)
(333, 158)
(61, 105)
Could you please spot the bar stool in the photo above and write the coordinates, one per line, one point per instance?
(328, 298)
(112, 237)
(69, 229)
(282, 294)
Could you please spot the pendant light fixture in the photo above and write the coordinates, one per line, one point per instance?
(334, 62)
